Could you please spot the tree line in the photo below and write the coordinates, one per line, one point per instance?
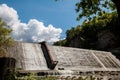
(87, 34)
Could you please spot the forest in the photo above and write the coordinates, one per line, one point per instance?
(88, 36)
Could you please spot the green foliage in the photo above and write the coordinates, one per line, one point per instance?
(30, 76)
(12, 75)
(87, 32)
(5, 39)
(90, 29)
(60, 43)
(90, 8)
(86, 8)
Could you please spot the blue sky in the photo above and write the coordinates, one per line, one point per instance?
(60, 14)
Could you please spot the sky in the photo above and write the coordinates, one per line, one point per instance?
(39, 20)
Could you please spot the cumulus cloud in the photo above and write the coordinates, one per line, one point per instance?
(33, 31)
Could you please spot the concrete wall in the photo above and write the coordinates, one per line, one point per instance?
(30, 56)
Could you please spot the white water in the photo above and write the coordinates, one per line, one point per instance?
(33, 58)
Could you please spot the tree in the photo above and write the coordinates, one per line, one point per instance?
(60, 43)
(86, 35)
(5, 39)
(86, 8)
(89, 7)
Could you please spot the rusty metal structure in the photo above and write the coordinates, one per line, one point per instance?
(60, 61)
(49, 60)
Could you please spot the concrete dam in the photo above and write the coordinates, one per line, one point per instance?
(63, 61)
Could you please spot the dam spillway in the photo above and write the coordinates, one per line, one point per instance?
(57, 60)
(28, 56)
(84, 60)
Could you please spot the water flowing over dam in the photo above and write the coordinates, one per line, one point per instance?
(56, 60)
(28, 56)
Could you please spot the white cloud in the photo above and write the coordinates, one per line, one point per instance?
(33, 31)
